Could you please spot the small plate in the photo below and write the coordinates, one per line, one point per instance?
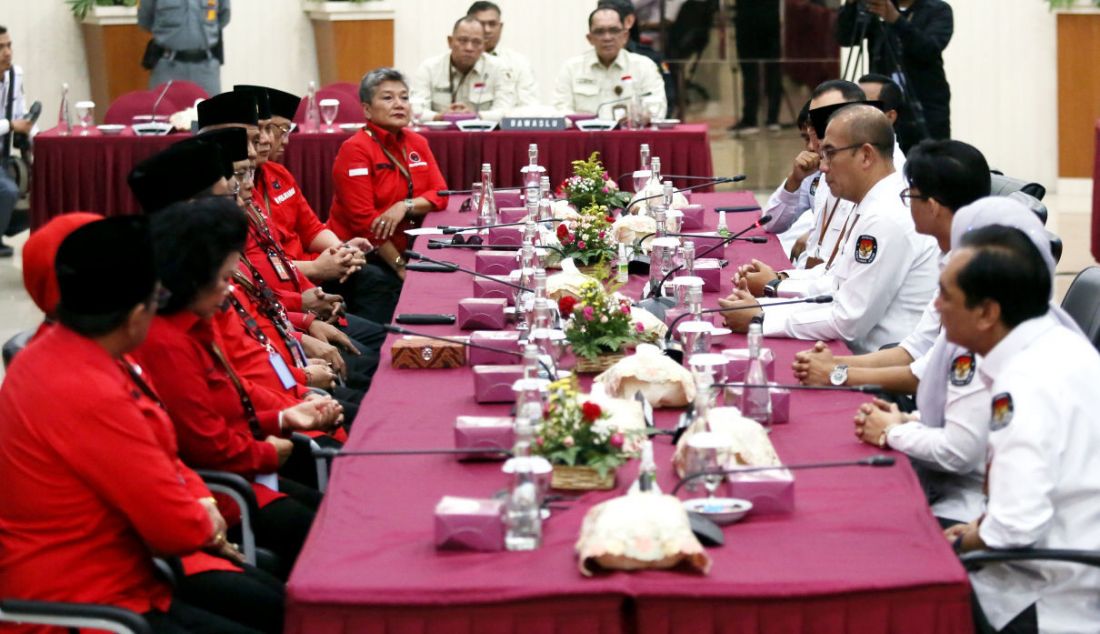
(719, 510)
(665, 124)
(350, 127)
(110, 129)
(437, 125)
(719, 332)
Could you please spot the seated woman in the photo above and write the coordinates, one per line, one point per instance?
(386, 180)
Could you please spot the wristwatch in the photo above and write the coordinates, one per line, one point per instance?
(839, 375)
(771, 289)
(408, 207)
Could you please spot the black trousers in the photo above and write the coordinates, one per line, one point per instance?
(283, 525)
(757, 38)
(371, 293)
(182, 618)
(301, 467)
(1026, 622)
(252, 597)
(367, 337)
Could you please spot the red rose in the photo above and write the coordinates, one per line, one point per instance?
(562, 231)
(591, 411)
(610, 220)
(566, 304)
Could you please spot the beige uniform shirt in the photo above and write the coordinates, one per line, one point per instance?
(527, 92)
(488, 89)
(584, 83)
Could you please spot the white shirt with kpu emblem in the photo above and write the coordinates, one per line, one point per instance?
(1043, 476)
(584, 83)
(488, 88)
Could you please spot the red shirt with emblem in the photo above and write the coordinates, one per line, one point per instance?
(288, 208)
(283, 277)
(90, 480)
(367, 183)
(251, 358)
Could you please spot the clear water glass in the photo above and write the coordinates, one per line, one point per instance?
(329, 109)
(85, 114)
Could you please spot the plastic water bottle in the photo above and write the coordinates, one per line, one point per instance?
(487, 205)
(64, 115)
(531, 174)
(647, 472)
(623, 274)
(756, 402)
(687, 253)
(723, 228)
(522, 519)
(644, 152)
(546, 211)
(312, 123)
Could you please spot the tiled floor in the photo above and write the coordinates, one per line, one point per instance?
(764, 158)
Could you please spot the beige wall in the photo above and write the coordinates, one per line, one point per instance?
(1001, 61)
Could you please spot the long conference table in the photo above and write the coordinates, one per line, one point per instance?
(88, 173)
(861, 552)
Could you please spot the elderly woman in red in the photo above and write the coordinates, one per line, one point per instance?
(386, 180)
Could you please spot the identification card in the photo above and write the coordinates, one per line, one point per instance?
(277, 264)
(282, 370)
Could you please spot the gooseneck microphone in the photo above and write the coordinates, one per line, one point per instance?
(718, 180)
(453, 192)
(816, 299)
(415, 255)
(332, 452)
(449, 229)
(764, 219)
(465, 342)
(752, 239)
(870, 388)
(879, 460)
(439, 244)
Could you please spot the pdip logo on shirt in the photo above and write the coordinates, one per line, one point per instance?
(866, 249)
(1002, 411)
(415, 161)
(962, 369)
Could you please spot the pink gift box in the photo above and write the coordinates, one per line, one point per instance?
(493, 288)
(769, 491)
(693, 217)
(493, 383)
(495, 262)
(507, 342)
(781, 405)
(458, 116)
(710, 270)
(469, 524)
(484, 432)
(507, 199)
(508, 236)
(480, 313)
(512, 214)
(739, 364)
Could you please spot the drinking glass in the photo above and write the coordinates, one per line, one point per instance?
(641, 177)
(655, 108)
(329, 109)
(418, 106)
(712, 365)
(541, 471)
(475, 197)
(710, 452)
(85, 114)
(683, 287)
(695, 337)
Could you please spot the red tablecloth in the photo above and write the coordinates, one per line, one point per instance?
(89, 173)
(861, 552)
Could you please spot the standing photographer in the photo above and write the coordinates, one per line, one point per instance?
(905, 39)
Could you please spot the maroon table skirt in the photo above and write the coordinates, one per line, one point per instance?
(77, 173)
(860, 553)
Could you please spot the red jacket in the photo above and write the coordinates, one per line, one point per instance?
(367, 183)
(90, 483)
(288, 208)
(251, 357)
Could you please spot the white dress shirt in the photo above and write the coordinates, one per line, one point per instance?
(923, 337)
(584, 84)
(19, 103)
(518, 66)
(1044, 483)
(488, 88)
(883, 276)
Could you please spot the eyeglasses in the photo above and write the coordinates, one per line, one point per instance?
(907, 195)
(245, 174)
(470, 41)
(470, 239)
(828, 153)
(285, 129)
(613, 32)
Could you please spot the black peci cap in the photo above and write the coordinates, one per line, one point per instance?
(229, 108)
(263, 103)
(283, 104)
(106, 266)
(178, 173)
(232, 144)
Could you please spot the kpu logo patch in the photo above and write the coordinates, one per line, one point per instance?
(1002, 411)
(866, 249)
(962, 369)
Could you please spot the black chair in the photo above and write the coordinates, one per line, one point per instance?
(1082, 302)
(1001, 185)
(15, 344)
(73, 616)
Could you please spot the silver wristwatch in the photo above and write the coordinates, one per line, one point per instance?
(839, 375)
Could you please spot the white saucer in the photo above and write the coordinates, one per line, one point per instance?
(437, 125)
(719, 510)
(719, 332)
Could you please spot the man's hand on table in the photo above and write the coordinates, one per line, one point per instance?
(333, 336)
(317, 349)
(738, 320)
(874, 421)
(337, 263)
(756, 275)
(813, 366)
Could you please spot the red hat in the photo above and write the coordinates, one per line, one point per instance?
(39, 252)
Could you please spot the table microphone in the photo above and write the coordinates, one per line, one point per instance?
(738, 208)
(449, 229)
(717, 180)
(332, 452)
(760, 222)
(869, 388)
(453, 192)
(816, 299)
(880, 460)
(464, 342)
(439, 244)
(153, 114)
(752, 239)
(414, 255)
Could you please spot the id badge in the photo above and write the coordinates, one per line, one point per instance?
(282, 370)
(277, 264)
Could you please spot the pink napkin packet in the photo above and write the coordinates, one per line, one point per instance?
(469, 524)
(493, 383)
(506, 236)
(481, 313)
(780, 397)
(507, 199)
(769, 491)
(511, 214)
(495, 262)
(710, 270)
(693, 217)
(505, 340)
(484, 432)
(739, 363)
(494, 288)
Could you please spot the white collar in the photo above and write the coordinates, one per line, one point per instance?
(1020, 338)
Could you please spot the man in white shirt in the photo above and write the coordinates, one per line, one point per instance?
(11, 122)
(588, 82)
(1042, 480)
(884, 273)
(488, 13)
(943, 177)
(465, 80)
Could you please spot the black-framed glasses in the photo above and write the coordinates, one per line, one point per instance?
(828, 153)
(907, 196)
(464, 239)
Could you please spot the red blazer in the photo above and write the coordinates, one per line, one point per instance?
(288, 208)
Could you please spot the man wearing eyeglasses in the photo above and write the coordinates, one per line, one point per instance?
(884, 272)
(464, 80)
(588, 82)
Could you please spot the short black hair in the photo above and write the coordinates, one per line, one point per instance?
(94, 325)
(623, 7)
(3, 29)
(954, 173)
(605, 7)
(1006, 268)
(803, 118)
(483, 5)
(890, 94)
(191, 240)
(848, 90)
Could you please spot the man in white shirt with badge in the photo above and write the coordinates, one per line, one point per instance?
(488, 13)
(588, 82)
(13, 106)
(1042, 480)
(465, 80)
(884, 273)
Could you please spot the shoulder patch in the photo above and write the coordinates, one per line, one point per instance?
(359, 171)
(1002, 411)
(866, 249)
(962, 369)
(814, 183)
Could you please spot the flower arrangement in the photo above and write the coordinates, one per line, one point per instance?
(599, 323)
(576, 433)
(589, 185)
(589, 239)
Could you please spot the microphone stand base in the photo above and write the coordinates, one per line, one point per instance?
(638, 265)
(657, 306)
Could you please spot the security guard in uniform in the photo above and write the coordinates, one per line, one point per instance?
(189, 34)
